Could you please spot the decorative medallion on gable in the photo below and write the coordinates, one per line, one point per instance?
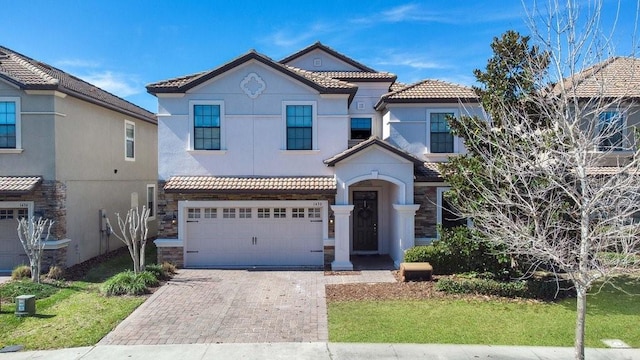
(253, 85)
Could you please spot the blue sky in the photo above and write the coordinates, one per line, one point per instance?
(122, 45)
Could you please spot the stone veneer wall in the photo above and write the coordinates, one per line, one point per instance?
(173, 255)
(49, 200)
(427, 215)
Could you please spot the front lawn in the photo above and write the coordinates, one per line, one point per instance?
(75, 315)
(477, 320)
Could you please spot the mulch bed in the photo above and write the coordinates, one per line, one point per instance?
(411, 290)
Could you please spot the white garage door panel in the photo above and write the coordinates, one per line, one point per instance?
(11, 251)
(254, 241)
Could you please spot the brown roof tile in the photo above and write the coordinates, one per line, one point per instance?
(30, 74)
(250, 184)
(359, 76)
(427, 171)
(19, 184)
(615, 77)
(429, 91)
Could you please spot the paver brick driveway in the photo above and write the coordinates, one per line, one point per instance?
(210, 306)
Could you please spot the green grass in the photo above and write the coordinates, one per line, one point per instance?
(74, 314)
(611, 315)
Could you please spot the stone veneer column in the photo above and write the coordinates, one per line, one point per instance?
(406, 223)
(342, 214)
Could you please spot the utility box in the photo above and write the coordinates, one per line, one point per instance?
(25, 305)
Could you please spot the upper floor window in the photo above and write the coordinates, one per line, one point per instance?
(610, 131)
(441, 138)
(360, 128)
(9, 123)
(129, 140)
(299, 127)
(206, 127)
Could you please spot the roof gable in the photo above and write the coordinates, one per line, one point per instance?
(614, 77)
(29, 74)
(369, 143)
(323, 84)
(319, 47)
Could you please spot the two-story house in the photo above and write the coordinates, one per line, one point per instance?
(274, 163)
(70, 152)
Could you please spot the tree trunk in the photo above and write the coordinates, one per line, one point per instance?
(142, 251)
(581, 309)
(35, 271)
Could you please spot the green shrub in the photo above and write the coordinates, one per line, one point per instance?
(157, 271)
(461, 251)
(55, 273)
(129, 283)
(27, 287)
(535, 288)
(21, 272)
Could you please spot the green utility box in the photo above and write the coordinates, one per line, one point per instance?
(25, 305)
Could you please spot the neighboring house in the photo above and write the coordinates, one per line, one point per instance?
(266, 163)
(69, 152)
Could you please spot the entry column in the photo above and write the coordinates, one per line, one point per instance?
(342, 214)
(406, 231)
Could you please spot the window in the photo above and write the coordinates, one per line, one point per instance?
(297, 213)
(193, 213)
(245, 213)
(228, 213)
(360, 128)
(314, 213)
(299, 127)
(151, 200)
(264, 213)
(610, 131)
(446, 215)
(129, 140)
(441, 139)
(6, 214)
(206, 127)
(279, 213)
(9, 123)
(210, 213)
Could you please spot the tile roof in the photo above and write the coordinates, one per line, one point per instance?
(374, 140)
(251, 184)
(323, 84)
(429, 91)
(427, 171)
(615, 77)
(361, 76)
(320, 46)
(18, 184)
(30, 74)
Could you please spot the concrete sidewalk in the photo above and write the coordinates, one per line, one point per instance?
(319, 351)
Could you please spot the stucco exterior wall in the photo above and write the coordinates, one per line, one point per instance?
(327, 62)
(253, 130)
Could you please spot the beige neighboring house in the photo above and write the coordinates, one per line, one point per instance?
(70, 152)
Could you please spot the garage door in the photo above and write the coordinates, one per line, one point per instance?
(11, 251)
(236, 234)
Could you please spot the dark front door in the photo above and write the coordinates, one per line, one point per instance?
(365, 221)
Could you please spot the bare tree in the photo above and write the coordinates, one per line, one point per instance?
(133, 232)
(30, 233)
(554, 175)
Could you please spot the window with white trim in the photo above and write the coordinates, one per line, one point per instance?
(151, 200)
(314, 213)
(441, 140)
(446, 214)
(611, 131)
(207, 118)
(210, 213)
(360, 128)
(129, 140)
(297, 213)
(300, 128)
(228, 213)
(10, 123)
(264, 213)
(244, 213)
(193, 213)
(279, 213)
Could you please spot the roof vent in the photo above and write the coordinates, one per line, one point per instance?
(317, 62)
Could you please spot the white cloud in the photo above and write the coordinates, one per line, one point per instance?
(115, 83)
(412, 61)
(290, 38)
